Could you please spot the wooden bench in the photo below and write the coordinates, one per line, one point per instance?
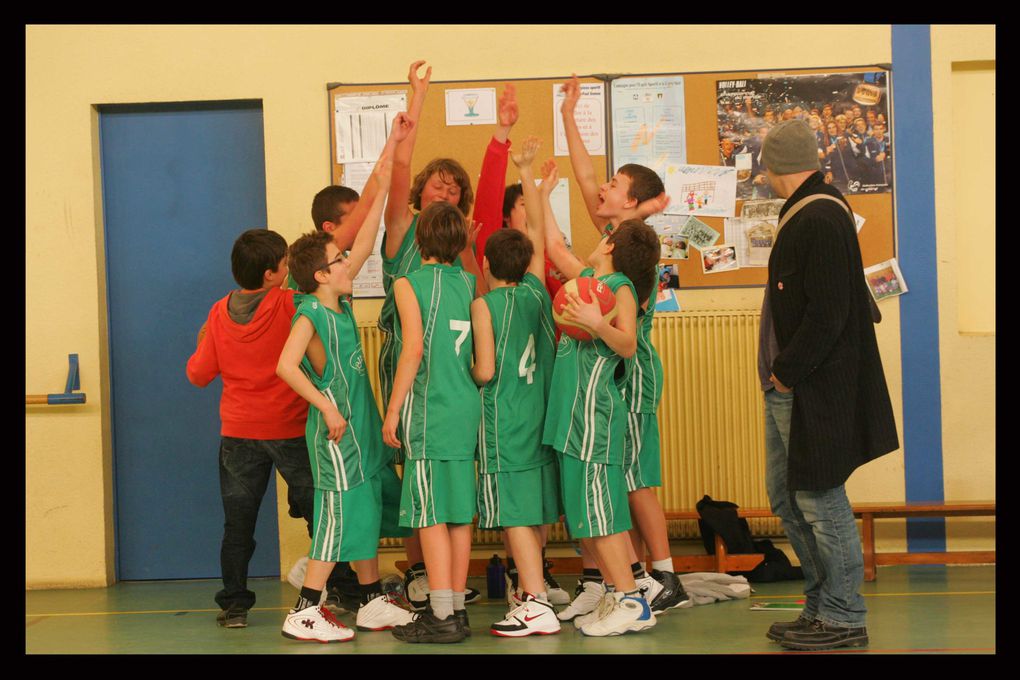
(723, 561)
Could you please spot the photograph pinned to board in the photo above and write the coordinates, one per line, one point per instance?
(697, 233)
(885, 280)
(709, 190)
(672, 246)
(648, 122)
(848, 112)
(722, 258)
(363, 123)
(590, 117)
(767, 209)
(753, 238)
(669, 276)
(472, 106)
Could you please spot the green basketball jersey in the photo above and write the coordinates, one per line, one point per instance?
(644, 389)
(513, 402)
(344, 381)
(440, 414)
(586, 416)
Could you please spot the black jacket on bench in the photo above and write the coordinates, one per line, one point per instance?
(828, 353)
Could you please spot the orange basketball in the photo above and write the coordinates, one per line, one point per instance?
(588, 289)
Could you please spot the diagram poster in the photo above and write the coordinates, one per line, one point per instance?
(648, 122)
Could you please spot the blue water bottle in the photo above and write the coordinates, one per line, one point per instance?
(495, 578)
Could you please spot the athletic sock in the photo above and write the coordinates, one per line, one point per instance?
(638, 570)
(591, 575)
(663, 565)
(308, 598)
(442, 603)
(458, 600)
(633, 593)
(370, 591)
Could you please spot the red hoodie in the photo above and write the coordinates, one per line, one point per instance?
(256, 403)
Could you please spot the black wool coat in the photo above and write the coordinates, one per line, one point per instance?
(828, 353)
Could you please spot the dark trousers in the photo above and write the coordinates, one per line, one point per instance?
(246, 466)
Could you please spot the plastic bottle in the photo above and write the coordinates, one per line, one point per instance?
(494, 578)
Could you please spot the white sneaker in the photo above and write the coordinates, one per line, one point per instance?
(604, 607)
(381, 613)
(650, 588)
(556, 594)
(296, 575)
(532, 617)
(627, 614)
(315, 624)
(416, 588)
(586, 598)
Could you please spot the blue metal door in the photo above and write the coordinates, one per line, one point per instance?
(180, 182)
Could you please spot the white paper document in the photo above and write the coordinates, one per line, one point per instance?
(590, 117)
(648, 122)
(363, 123)
(369, 282)
(701, 190)
(476, 106)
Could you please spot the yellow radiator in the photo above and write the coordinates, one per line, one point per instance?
(711, 428)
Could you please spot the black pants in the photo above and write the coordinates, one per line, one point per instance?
(246, 466)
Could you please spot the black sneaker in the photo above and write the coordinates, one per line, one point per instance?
(234, 617)
(820, 636)
(471, 596)
(427, 628)
(672, 593)
(779, 628)
(462, 616)
(416, 588)
(549, 580)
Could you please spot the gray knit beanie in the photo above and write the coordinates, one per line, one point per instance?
(790, 147)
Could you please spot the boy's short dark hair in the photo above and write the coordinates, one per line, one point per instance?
(326, 204)
(448, 169)
(510, 196)
(636, 255)
(441, 232)
(255, 251)
(306, 256)
(644, 182)
(509, 253)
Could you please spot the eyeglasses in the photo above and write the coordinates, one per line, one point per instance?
(339, 258)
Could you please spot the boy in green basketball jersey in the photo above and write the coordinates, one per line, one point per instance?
(518, 486)
(633, 192)
(442, 179)
(355, 487)
(586, 421)
(436, 403)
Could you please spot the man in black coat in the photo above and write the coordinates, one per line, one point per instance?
(827, 407)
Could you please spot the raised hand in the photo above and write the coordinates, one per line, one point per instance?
(508, 110)
(402, 126)
(550, 177)
(527, 154)
(473, 229)
(572, 88)
(419, 84)
(652, 206)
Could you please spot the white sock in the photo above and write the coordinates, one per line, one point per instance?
(663, 565)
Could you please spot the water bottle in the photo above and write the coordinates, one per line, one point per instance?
(494, 578)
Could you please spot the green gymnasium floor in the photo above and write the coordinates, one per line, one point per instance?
(912, 609)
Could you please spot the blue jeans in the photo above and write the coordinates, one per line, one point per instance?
(820, 526)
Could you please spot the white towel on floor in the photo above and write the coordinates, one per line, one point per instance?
(705, 587)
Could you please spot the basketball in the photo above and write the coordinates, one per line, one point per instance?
(588, 289)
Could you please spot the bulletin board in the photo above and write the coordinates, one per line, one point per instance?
(467, 143)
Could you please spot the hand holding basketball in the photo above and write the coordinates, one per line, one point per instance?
(581, 305)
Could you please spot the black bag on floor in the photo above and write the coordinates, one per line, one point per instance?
(720, 517)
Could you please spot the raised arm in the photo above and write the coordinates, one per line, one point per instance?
(532, 205)
(488, 210)
(564, 260)
(580, 161)
(289, 370)
(484, 343)
(411, 352)
(398, 214)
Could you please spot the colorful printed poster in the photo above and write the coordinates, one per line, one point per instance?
(701, 190)
(648, 122)
(590, 117)
(885, 280)
(848, 112)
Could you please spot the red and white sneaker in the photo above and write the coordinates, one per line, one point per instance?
(532, 617)
(315, 624)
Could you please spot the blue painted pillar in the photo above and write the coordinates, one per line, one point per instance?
(919, 309)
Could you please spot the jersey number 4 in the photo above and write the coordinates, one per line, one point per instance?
(527, 365)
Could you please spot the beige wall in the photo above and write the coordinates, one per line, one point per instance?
(70, 69)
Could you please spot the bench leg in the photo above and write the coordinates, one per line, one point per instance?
(720, 554)
(868, 541)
